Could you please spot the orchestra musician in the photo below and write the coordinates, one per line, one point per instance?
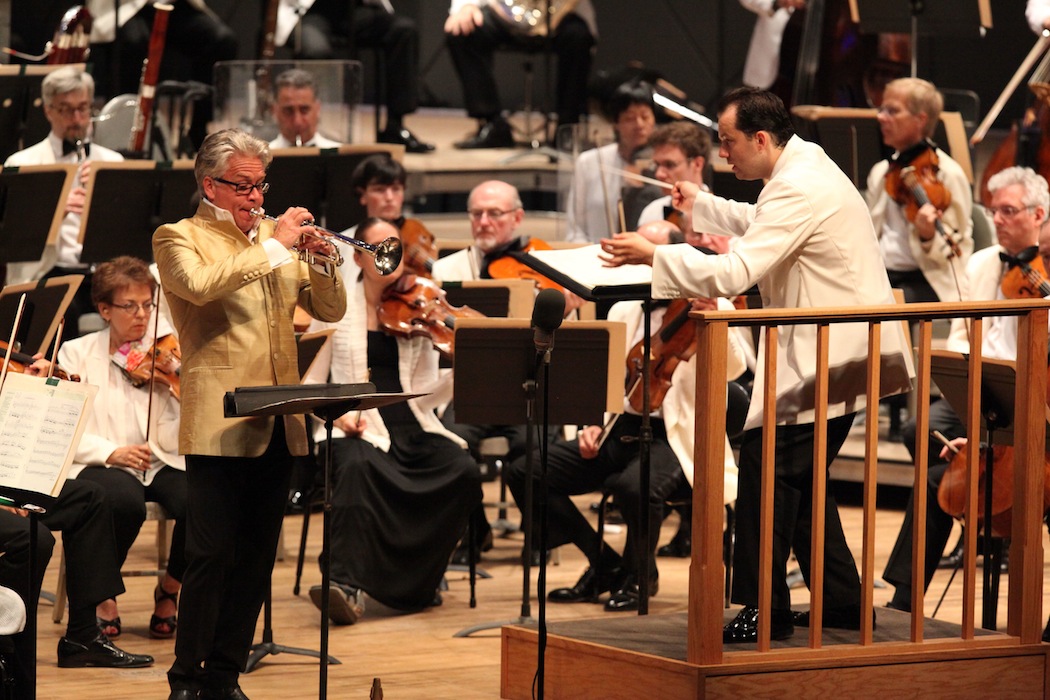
(921, 263)
(403, 486)
(474, 29)
(589, 463)
(1019, 207)
(679, 153)
(195, 35)
(232, 285)
(66, 93)
(311, 24)
(807, 242)
(597, 186)
(297, 109)
(762, 64)
(130, 441)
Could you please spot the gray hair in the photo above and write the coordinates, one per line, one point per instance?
(213, 158)
(921, 97)
(1036, 193)
(66, 79)
(296, 78)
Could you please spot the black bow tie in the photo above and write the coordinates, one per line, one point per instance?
(1024, 257)
(71, 147)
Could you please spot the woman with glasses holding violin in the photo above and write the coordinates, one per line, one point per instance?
(130, 442)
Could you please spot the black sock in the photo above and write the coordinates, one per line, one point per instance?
(393, 122)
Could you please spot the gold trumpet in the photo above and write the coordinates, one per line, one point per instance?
(386, 254)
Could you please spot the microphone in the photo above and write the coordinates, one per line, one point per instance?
(547, 316)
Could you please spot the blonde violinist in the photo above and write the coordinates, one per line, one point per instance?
(66, 94)
(403, 485)
(130, 443)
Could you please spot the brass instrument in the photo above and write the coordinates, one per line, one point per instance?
(386, 254)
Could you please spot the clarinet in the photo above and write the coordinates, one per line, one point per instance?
(150, 75)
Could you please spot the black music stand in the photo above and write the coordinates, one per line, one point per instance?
(496, 382)
(318, 179)
(24, 193)
(46, 304)
(22, 123)
(134, 198)
(998, 378)
(327, 401)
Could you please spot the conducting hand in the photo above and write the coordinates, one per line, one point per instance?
(628, 248)
(683, 195)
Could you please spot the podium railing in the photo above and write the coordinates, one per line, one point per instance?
(1024, 625)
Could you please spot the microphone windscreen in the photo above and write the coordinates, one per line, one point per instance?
(549, 310)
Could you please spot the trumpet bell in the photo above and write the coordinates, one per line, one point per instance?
(387, 255)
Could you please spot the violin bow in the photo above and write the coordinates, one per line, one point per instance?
(1038, 50)
(152, 374)
(11, 342)
(54, 347)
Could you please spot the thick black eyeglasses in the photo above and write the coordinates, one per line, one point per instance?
(245, 188)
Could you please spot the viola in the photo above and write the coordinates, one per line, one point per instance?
(419, 246)
(21, 361)
(913, 183)
(416, 306)
(951, 494)
(675, 342)
(161, 362)
(508, 267)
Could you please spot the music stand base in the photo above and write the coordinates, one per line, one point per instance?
(264, 649)
(467, 631)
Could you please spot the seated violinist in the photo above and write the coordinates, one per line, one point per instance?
(595, 461)
(130, 442)
(1020, 202)
(920, 260)
(402, 485)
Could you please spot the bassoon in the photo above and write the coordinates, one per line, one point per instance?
(150, 75)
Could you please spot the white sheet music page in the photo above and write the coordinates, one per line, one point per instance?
(41, 421)
(583, 265)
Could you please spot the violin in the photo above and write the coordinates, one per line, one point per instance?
(419, 246)
(1027, 279)
(951, 494)
(675, 342)
(509, 267)
(416, 306)
(161, 361)
(912, 182)
(21, 361)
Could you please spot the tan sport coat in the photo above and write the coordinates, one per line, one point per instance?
(233, 314)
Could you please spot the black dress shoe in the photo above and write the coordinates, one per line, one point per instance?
(680, 547)
(406, 138)
(494, 133)
(626, 597)
(842, 618)
(98, 652)
(232, 693)
(744, 627)
(183, 694)
(589, 587)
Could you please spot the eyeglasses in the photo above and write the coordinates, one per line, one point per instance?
(668, 164)
(131, 308)
(1007, 211)
(68, 110)
(245, 188)
(493, 214)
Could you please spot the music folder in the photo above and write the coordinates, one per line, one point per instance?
(25, 193)
(46, 304)
(582, 272)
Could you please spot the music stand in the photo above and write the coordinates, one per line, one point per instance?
(998, 377)
(495, 382)
(25, 192)
(135, 197)
(21, 122)
(318, 180)
(46, 304)
(327, 401)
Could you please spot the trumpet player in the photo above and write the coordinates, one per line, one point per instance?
(232, 286)
(67, 94)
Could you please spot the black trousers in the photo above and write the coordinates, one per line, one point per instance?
(127, 497)
(472, 55)
(373, 28)
(792, 517)
(234, 516)
(616, 468)
(92, 571)
(938, 523)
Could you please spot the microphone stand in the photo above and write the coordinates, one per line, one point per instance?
(543, 358)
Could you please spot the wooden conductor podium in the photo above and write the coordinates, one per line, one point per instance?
(328, 402)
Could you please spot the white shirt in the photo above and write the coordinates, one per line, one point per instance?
(318, 141)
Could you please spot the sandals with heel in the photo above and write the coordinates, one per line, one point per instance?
(163, 627)
(110, 628)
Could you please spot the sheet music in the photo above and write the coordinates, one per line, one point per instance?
(583, 265)
(41, 422)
